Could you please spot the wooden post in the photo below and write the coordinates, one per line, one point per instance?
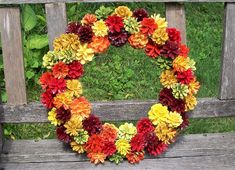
(227, 81)
(13, 55)
(56, 20)
(175, 15)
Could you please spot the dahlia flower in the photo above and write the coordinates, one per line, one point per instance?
(45, 79)
(164, 63)
(109, 132)
(61, 135)
(57, 85)
(185, 77)
(138, 142)
(47, 99)
(63, 115)
(118, 39)
(109, 148)
(94, 144)
(181, 64)
(194, 86)
(73, 27)
(174, 34)
(152, 50)
(170, 50)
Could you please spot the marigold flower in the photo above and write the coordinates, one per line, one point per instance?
(62, 100)
(131, 25)
(60, 70)
(123, 11)
(174, 119)
(81, 137)
(160, 36)
(84, 54)
(158, 114)
(168, 78)
(96, 157)
(115, 23)
(161, 22)
(89, 19)
(109, 132)
(190, 102)
(148, 26)
(123, 146)
(180, 91)
(77, 147)
(74, 87)
(138, 40)
(127, 131)
(52, 117)
(135, 157)
(66, 42)
(99, 44)
(100, 29)
(73, 126)
(194, 86)
(165, 133)
(80, 107)
(181, 64)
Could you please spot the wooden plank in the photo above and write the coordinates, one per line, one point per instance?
(196, 145)
(56, 20)
(13, 55)
(1, 127)
(175, 16)
(117, 110)
(74, 1)
(227, 82)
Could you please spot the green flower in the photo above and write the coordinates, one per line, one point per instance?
(103, 12)
(163, 63)
(192, 64)
(49, 59)
(180, 91)
(82, 137)
(127, 131)
(117, 158)
(131, 25)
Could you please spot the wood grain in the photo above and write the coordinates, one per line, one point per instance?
(175, 16)
(117, 110)
(74, 1)
(227, 81)
(1, 127)
(13, 55)
(56, 21)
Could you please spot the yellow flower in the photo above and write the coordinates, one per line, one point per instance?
(174, 119)
(52, 117)
(123, 146)
(62, 99)
(74, 87)
(73, 126)
(158, 114)
(66, 42)
(190, 102)
(165, 133)
(161, 22)
(123, 11)
(97, 157)
(100, 29)
(168, 78)
(77, 147)
(127, 131)
(181, 63)
(84, 54)
(160, 36)
(193, 87)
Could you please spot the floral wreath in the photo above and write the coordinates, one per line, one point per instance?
(70, 112)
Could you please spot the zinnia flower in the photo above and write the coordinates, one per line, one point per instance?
(165, 133)
(170, 50)
(99, 44)
(103, 12)
(45, 79)
(135, 157)
(127, 131)
(174, 119)
(148, 26)
(57, 85)
(138, 142)
(66, 42)
(100, 29)
(73, 126)
(61, 135)
(115, 23)
(181, 64)
(185, 77)
(164, 63)
(94, 144)
(161, 22)
(194, 86)
(152, 50)
(180, 91)
(47, 99)
(92, 125)
(174, 34)
(60, 70)
(160, 36)
(75, 70)
(62, 100)
(123, 11)
(131, 25)
(138, 40)
(88, 19)
(118, 39)
(168, 78)
(158, 113)
(80, 107)
(96, 157)
(123, 146)
(185, 122)
(81, 137)
(109, 132)
(85, 34)
(109, 148)
(190, 102)
(63, 115)
(140, 14)
(144, 125)
(74, 87)
(184, 50)
(52, 117)
(77, 147)
(117, 158)
(73, 27)
(85, 54)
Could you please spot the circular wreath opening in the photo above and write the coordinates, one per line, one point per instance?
(70, 111)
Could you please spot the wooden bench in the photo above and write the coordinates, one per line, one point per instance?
(199, 151)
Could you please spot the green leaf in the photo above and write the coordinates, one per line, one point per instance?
(37, 41)
(29, 74)
(29, 18)
(41, 18)
(4, 96)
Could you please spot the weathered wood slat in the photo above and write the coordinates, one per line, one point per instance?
(56, 20)
(12, 55)
(72, 1)
(1, 127)
(117, 110)
(175, 16)
(227, 82)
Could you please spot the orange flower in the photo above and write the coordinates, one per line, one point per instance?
(193, 86)
(62, 99)
(138, 40)
(89, 19)
(109, 132)
(99, 44)
(135, 157)
(60, 70)
(80, 107)
(96, 157)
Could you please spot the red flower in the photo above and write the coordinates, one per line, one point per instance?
(174, 34)
(60, 70)
(62, 114)
(167, 99)
(138, 142)
(75, 70)
(144, 125)
(57, 85)
(185, 122)
(184, 50)
(152, 50)
(135, 157)
(115, 23)
(185, 77)
(47, 99)
(148, 26)
(109, 148)
(85, 34)
(73, 27)
(118, 39)
(61, 135)
(92, 125)
(170, 50)
(45, 79)
(140, 14)
(94, 144)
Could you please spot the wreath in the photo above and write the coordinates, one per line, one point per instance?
(70, 111)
